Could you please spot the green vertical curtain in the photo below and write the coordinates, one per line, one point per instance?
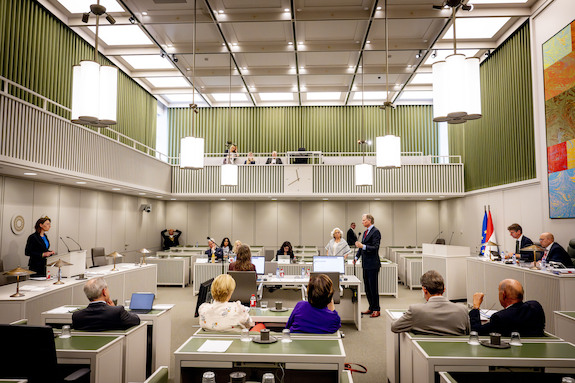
(499, 148)
(325, 128)
(38, 52)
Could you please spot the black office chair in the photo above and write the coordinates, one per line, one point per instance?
(99, 257)
(30, 353)
(440, 241)
(335, 280)
(300, 160)
(571, 250)
(246, 286)
(204, 295)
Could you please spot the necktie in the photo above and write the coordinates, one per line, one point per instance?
(545, 254)
(364, 234)
(516, 246)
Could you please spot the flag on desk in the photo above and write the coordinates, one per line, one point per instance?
(484, 233)
(490, 235)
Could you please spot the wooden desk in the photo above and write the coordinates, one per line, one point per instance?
(450, 262)
(172, 270)
(565, 325)
(102, 353)
(321, 359)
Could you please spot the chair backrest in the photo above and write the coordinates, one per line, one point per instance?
(270, 255)
(571, 250)
(440, 241)
(159, 376)
(270, 267)
(335, 280)
(31, 353)
(99, 256)
(246, 286)
(204, 295)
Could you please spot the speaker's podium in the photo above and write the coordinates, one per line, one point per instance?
(450, 262)
(77, 258)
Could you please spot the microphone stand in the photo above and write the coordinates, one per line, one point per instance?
(65, 244)
(80, 247)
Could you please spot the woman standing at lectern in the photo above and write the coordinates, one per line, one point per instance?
(37, 247)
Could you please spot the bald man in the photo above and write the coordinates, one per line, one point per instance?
(526, 318)
(554, 252)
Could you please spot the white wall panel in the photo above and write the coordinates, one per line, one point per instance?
(155, 225)
(405, 223)
(68, 217)
(18, 198)
(177, 212)
(133, 223)
(354, 211)
(289, 225)
(312, 223)
(198, 222)
(267, 224)
(88, 218)
(383, 215)
(221, 214)
(333, 216)
(243, 222)
(118, 224)
(103, 221)
(46, 201)
(427, 215)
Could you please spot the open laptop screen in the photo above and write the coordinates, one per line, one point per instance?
(142, 301)
(259, 263)
(328, 264)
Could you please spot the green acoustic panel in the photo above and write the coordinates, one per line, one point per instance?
(38, 52)
(499, 148)
(551, 350)
(83, 342)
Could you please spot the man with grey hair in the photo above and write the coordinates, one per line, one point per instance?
(438, 316)
(368, 251)
(102, 314)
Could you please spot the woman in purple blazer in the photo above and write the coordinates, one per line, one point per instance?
(317, 315)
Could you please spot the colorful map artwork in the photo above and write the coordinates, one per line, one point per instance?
(559, 79)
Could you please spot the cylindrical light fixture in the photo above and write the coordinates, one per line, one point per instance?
(229, 175)
(192, 153)
(388, 151)
(108, 92)
(473, 86)
(363, 175)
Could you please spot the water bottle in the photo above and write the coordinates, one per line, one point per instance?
(253, 301)
(197, 244)
(303, 272)
(308, 271)
(281, 272)
(278, 272)
(543, 264)
(514, 259)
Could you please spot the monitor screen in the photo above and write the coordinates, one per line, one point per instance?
(325, 264)
(142, 301)
(259, 263)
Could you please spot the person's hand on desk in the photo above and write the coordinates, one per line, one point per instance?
(477, 300)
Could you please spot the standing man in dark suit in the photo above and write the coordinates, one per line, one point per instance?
(369, 250)
(554, 252)
(351, 237)
(526, 318)
(521, 241)
(102, 314)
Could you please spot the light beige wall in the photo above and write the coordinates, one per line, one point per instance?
(93, 218)
(269, 223)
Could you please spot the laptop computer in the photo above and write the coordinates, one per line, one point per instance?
(141, 303)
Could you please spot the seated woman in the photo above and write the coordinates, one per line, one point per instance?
(243, 260)
(226, 246)
(223, 315)
(337, 245)
(286, 249)
(317, 315)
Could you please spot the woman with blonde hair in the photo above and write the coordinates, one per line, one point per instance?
(237, 244)
(337, 245)
(223, 315)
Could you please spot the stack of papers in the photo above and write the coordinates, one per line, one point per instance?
(215, 346)
(564, 271)
(32, 288)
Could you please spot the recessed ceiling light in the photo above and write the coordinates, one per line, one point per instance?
(377, 199)
(30, 174)
(158, 196)
(168, 82)
(169, 45)
(290, 43)
(378, 8)
(116, 189)
(224, 44)
(325, 199)
(222, 199)
(221, 11)
(323, 96)
(274, 199)
(184, 98)
(122, 35)
(477, 28)
(222, 97)
(147, 62)
(81, 6)
(235, 44)
(142, 193)
(286, 9)
(276, 96)
(301, 67)
(172, 199)
(300, 43)
(144, 13)
(429, 199)
(368, 42)
(81, 182)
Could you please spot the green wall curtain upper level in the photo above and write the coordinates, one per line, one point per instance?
(38, 52)
(499, 148)
(325, 128)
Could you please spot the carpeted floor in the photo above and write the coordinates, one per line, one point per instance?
(366, 347)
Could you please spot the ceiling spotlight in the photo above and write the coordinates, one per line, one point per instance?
(144, 13)
(488, 53)
(85, 17)
(174, 58)
(132, 20)
(110, 19)
(418, 55)
(467, 7)
(286, 9)
(163, 54)
(434, 54)
(378, 8)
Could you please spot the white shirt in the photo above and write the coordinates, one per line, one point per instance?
(224, 316)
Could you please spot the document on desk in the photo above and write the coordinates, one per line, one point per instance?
(215, 346)
(486, 314)
(32, 288)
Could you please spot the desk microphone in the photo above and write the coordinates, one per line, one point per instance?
(451, 237)
(437, 236)
(65, 244)
(75, 242)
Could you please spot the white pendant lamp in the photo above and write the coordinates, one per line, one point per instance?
(229, 175)
(363, 175)
(95, 86)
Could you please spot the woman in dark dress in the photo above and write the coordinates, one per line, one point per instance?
(37, 247)
(286, 249)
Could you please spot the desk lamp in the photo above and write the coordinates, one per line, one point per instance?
(115, 254)
(144, 251)
(18, 272)
(535, 249)
(59, 263)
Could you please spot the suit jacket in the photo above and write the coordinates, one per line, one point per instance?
(526, 318)
(370, 255)
(558, 254)
(35, 246)
(219, 253)
(168, 242)
(351, 237)
(99, 316)
(278, 161)
(526, 255)
(438, 316)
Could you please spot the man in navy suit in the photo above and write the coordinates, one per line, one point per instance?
(554, 252)
(214, 250)
(102, 314)
(369, 250)
(521, 241)
(526, 318)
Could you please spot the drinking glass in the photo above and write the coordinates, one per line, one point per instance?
(65, 332)
(245, 335)
(473, 338)
(264, 305)
(286, 336)
(209, 377)
(268, 378)
(515, 339)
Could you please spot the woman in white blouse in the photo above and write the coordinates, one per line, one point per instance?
(337, 245)
(223, 315)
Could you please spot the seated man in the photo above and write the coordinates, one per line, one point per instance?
(521, 241)
(102, 314)
(438, 315)
(526, 318)
(218, 252)
(554, 252)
